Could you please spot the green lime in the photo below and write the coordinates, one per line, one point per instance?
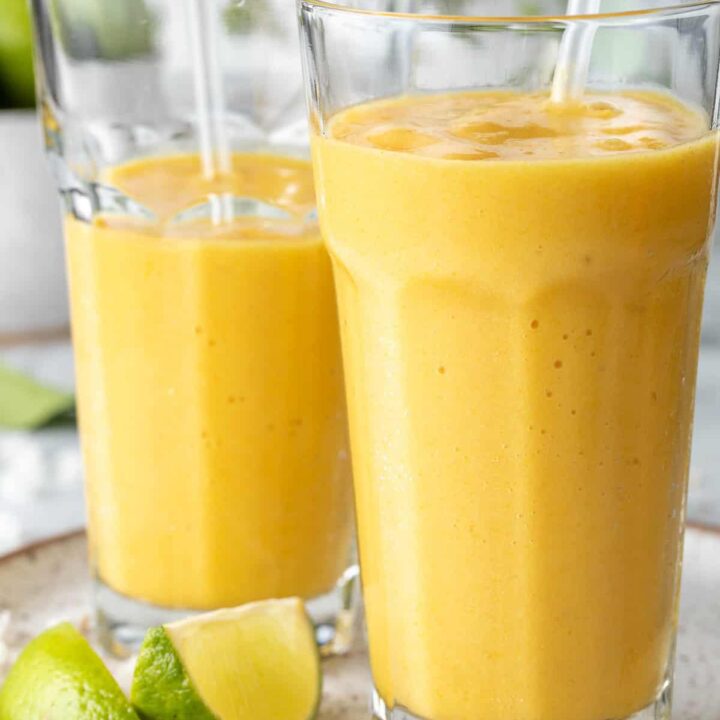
(256, 662)
(58, 677)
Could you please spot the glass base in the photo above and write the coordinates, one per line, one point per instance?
(123, 621)
(661, 709)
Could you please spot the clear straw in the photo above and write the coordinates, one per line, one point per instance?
(205, 34)
(573, 63)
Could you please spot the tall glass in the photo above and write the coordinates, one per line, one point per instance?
(520, 282)
(209, 377)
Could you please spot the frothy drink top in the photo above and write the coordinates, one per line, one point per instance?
(505, 125)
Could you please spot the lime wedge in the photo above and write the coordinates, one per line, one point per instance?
(256, 662)
(57, 677)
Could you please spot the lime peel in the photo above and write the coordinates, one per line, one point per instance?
(256, 662)
(59, 676)
(158, 665)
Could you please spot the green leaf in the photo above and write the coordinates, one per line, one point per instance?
(17, 84)
(246, 16)
(26, 404)
(110, 30)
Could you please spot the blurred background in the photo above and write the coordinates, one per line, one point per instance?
(40, 465)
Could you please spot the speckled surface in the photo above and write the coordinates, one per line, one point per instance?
(49, 583)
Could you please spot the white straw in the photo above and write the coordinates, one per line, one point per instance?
(209, 88)
(573, 63)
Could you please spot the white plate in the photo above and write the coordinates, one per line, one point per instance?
(48, 582)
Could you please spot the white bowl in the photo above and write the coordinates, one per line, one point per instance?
(33, 295)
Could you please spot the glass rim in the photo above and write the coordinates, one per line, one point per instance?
(342, 7)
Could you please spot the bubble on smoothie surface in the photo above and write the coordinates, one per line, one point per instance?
(401, 139)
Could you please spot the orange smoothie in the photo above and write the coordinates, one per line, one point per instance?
(210, 388)
(520, 290)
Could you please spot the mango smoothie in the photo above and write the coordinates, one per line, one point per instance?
(520, 290)
(210, 386)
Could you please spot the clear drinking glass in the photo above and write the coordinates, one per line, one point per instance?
(520, 284)
(210, 385)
